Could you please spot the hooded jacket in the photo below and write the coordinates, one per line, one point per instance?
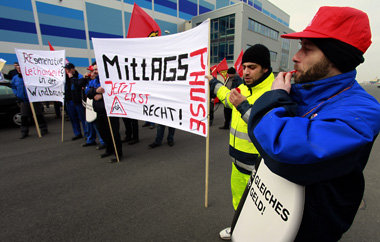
(320, 136)
(18, 88)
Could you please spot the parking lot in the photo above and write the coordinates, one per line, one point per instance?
(59, 191)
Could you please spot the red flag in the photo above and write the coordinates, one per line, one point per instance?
(142, 25)
(222, 68)
(52, 49)
(214, 73)
(50, 46)
(238, 66)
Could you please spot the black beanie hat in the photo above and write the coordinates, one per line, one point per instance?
(345, 57)
(258, 54)
(231, 70)
(69, 66)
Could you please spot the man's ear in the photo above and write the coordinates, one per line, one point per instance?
(266, 70)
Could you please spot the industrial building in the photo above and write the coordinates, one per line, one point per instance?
(70, 25)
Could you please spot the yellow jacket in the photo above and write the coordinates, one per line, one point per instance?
(241, 149)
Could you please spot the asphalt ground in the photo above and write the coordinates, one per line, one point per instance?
(59, 191)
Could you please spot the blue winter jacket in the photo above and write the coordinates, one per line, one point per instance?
(94, 83)
(90, 91)
(319, 136)
(18, 88)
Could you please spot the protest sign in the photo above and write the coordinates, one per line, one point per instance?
(161, 79)
(2, 63)
(43, 74)
(272, 210)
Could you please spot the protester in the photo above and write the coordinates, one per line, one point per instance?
(19, 90)
(91, 129)
(319, 131)
(131, 131)
(211, 107)
(258, 78)
(211, 111)
(12, 72)
(73, 100)
(95, 92)
(233, 81)
(160, 136)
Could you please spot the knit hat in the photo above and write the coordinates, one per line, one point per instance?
(258, 54)
(231, 70)
(69, 66)
(345, 57)
(349, 25)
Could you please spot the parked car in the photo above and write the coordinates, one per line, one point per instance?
(9, 108)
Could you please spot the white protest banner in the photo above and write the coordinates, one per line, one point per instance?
(2, 63)
(43, 74)
(160, 79)
(272, 210)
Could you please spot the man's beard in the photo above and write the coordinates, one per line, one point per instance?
(315, 72)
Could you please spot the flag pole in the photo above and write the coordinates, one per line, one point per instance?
(35, 119)
(63, 117)
(208, 122)
(113, 139)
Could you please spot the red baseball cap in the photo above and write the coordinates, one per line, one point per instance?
(346, 24)
(90, 68)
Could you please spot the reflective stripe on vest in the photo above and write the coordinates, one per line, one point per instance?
(225, 100)
(246, 115)
(217, 86)
(240, 164)
(240, 135)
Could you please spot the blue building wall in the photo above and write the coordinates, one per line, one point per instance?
(188, 9)
(17, 22)
(63, 26)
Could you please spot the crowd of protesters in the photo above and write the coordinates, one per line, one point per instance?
(79, 90)
(317, 132)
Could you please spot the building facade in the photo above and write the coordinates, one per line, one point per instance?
(239, 26)
(70, 24)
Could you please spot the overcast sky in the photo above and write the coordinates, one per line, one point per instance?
(302, 11)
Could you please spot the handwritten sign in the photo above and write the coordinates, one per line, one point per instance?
(43, 74)
(2, 63)
(272, 210)
(160, 79)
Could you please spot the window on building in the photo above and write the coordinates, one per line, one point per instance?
(222, 38)
(273, 56)
(258, 5)
(285, 46)
(262, 29)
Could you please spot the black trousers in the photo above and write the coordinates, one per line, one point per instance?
(105, 133)
(131, 129)
(27, 117)
(211, 112)
(57, 109)
(227, 117)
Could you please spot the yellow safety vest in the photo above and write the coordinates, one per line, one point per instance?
(242, 150)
